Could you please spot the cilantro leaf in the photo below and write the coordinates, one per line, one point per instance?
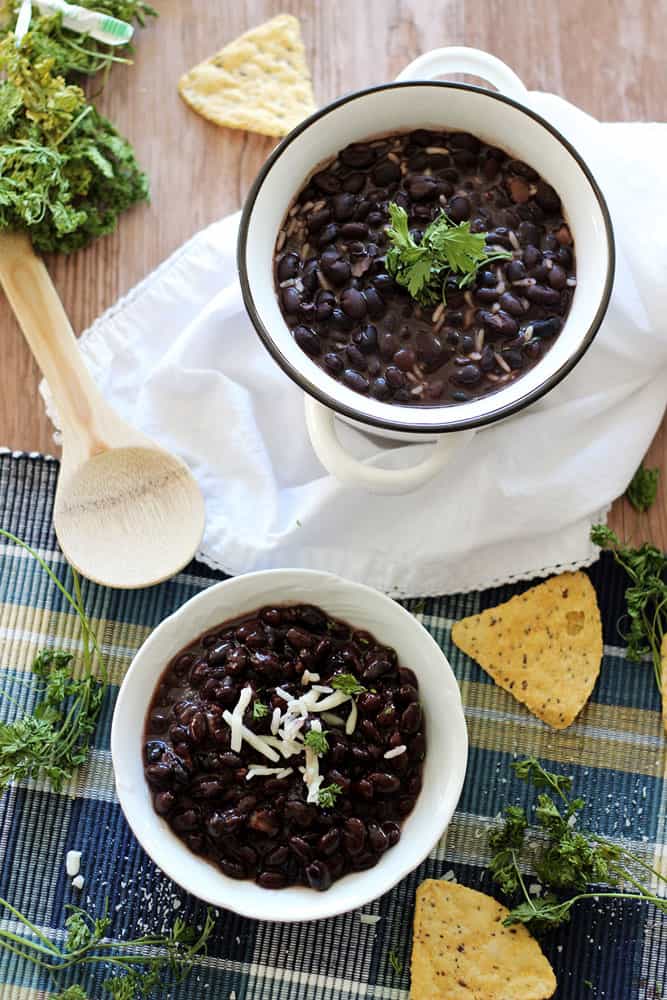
(445, 250)
(347, 683)
(259, 710)
(327, 796)
(643, 488)
(317, 741)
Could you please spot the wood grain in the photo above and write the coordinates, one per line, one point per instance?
(606, 57)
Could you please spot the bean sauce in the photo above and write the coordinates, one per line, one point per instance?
(262, 826)
(346, 312)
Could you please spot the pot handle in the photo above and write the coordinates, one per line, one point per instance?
(461, 59)
(348, 470)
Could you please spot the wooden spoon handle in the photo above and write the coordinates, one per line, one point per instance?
(47, 329)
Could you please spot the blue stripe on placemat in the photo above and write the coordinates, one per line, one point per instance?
(621, 950)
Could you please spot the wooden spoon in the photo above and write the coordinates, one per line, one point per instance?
(127, 513)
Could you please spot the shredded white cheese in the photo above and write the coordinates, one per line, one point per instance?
(333, 701)
(275, 720)
(322, 688)
(260, 771)
(369, 918)
(395, 752)
(236, 721)
(351, 723)
(259, 743)
(78, 882)
(73, 863)
(333, 719)
(312, 776)
(285, 695)
(308, 678)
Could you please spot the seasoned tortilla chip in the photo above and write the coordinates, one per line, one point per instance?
(462, 951)
(259, 82)
(543, 646)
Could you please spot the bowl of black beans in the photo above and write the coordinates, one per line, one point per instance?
(423, 259)
(289, 745)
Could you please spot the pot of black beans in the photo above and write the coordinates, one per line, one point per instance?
(286, 747)
(348, 314)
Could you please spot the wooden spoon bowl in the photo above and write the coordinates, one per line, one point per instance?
(127, 513)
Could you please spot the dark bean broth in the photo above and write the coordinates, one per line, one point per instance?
(263, 828)
(351, 318)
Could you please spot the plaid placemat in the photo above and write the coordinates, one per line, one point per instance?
(615, 752)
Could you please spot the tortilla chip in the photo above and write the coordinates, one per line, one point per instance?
(663, 656)
(259, 82)
(462, 951)
(543, 646)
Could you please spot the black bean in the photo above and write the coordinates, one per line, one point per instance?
(333, 364)
(514, 358)
(353, 380)
(326, 182)
(499, 324)
(290, 300)
(353, 303)
(277, 856)
(233, 869)
(354, 183)
(308, 341)
(272, 880)
(547, 328)
(318, 219)
(366, 339)
(379, 388)
(354, 231)
(528, 232)
(531, 257)
(511, 304)
(421, 187)
(324, 305)
(546, 197)
(302, 814)
(337, 271)
(355, 358)
(386, 172)
(515, 271)
(264, 821)
(357, 155)
(458, 209)
(522, 169)
(197, 727)
(467, 375)
(329, 842)
(487, 296)
(420, 137)
(185, 821)
(543, 296)
(318, 876)
(557, 277)
(383, 782)
(411, 718)
(377, 838)
(159, 719)
(164, 802)
(288, 266)
(488, 360)
(300, 848)
(354, 835)
(328, 235)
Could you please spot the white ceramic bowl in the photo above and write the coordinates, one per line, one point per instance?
(444, 768)
(503, 119)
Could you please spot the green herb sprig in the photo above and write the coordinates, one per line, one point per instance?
(643, 488)
(86, 945)
(317, 741)
(645, 597)
(348, 684)
(327, 796)
(564, 857)
(65, 173)
(259, 710)
(71, 52)
(55, 739)
(445, 250)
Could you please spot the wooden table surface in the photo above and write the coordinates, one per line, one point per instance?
(604, 55)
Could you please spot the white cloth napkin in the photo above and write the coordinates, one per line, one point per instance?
(178, 357)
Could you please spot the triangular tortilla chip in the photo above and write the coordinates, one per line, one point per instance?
(462, 951)
(543, 646)
(663, 656)
(259, 82)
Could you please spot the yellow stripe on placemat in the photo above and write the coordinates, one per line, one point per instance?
(25, 630)
(606, 736)
(22, 993)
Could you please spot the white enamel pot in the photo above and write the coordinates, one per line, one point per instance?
(503, 118)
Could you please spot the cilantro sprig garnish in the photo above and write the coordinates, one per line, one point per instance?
(142, 963)
(55, 739)
(645, 597)
(348, 684)
(259, 710)
(326, 797)
(446, 250)
(563, 857)
(643, 488)
(316, 740)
